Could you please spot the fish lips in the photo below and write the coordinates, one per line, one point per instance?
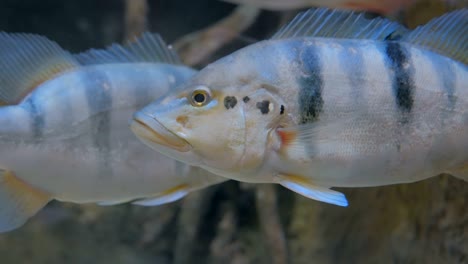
(149, 129)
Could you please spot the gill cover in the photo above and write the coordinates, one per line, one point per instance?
(264, 112)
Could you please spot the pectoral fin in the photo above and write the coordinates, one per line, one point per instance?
(203, 180)
(304, 187)
(18, 201)
(113, 202)
(168, 196)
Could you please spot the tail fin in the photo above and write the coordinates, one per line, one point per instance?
(18, 201)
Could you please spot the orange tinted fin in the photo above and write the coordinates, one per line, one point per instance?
(286, 137)
(18, 201)
(169, 196)
(26, 61)
(304, 187)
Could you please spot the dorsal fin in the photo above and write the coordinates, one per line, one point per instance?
(447, 35)
(323, 22)
(27, 60)
(147, 48)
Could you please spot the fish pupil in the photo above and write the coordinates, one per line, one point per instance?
(199, 98)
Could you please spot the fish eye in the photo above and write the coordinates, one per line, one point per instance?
(200, 97)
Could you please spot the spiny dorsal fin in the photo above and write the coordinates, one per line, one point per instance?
(447, 35)
(27, 60)
(323, 22)
(147, 48)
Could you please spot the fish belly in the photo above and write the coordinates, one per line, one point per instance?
(84, 169)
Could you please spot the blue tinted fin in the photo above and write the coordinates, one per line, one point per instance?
(447, 35)
(309, 190)
(114, 202)
(147, 48)
(18, 201)
(331, 23)
(168, 196)
(27, 60)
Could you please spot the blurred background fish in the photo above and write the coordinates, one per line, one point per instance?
(331, 100)
(64, 126)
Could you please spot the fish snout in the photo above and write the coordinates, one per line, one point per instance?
(152, 132)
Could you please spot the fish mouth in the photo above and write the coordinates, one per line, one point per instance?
(151, 130)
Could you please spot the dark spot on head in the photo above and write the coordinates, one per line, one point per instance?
(264, 106)
(246, 99)
(282, 109)
(230, 102)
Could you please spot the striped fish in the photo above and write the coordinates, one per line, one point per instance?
(64, 131)
(332, 100)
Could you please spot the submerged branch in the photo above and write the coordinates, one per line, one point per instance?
(270, 223)
(136, 12)
(196, 47)
(194, 207)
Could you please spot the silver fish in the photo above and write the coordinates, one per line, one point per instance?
(332, 100)
(64, 130)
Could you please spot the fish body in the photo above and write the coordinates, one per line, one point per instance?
(69, 139)
(311, 112)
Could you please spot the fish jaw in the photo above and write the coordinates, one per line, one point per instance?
(153, 133)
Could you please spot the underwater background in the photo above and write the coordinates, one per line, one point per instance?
(424, 222)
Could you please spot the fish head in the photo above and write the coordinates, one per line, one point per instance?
(193, 126)
(223, 129)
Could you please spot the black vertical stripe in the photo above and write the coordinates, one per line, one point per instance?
(37, 119)
(99, 100)
(310, 85)
(403, 82)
